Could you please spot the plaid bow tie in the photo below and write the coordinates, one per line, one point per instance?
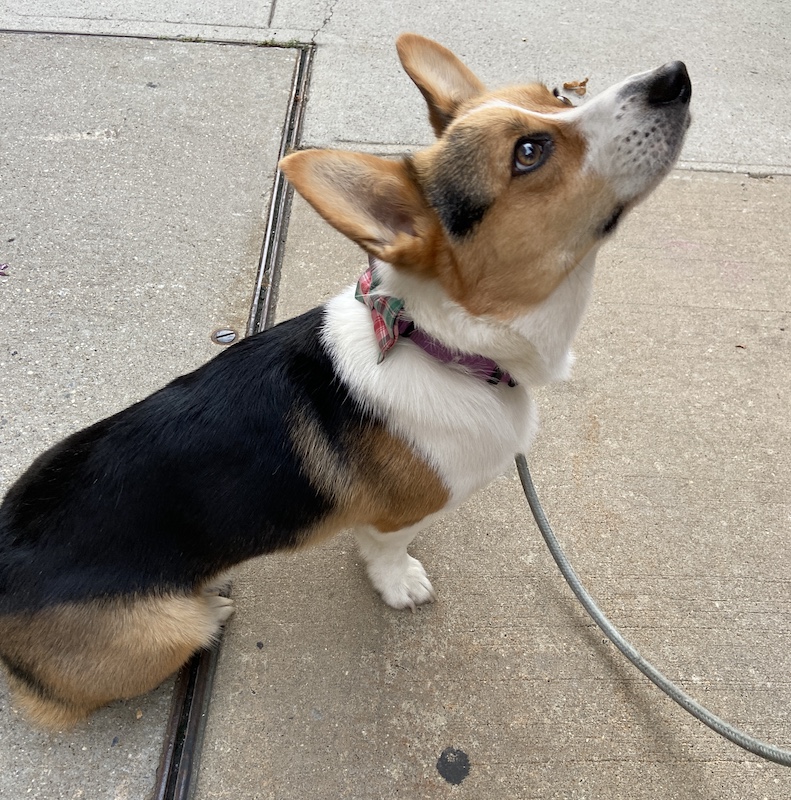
(385, 312)
(390, 322)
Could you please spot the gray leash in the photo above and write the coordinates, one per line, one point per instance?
(762, 749)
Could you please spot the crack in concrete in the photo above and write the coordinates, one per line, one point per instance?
(325, 22)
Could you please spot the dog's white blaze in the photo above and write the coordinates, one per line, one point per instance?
(561, 114)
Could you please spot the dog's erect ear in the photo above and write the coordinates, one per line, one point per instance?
(373, 201)
(443, 80)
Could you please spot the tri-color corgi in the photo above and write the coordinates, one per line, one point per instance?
(376, 412)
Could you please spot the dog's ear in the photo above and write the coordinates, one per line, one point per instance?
(442, 79)
(374, 201)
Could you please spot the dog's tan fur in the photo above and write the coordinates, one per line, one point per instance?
(386, 485)
(82, 656)
(538, 202)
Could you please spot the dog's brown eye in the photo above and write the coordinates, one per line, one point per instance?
(530, 154)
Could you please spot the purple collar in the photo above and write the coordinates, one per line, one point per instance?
(390, 323)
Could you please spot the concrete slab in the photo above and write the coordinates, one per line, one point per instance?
(134, 180)
(231, 13)
(733, 53)
(226, 20)
(664, 465)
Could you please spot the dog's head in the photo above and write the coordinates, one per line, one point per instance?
(519, 187)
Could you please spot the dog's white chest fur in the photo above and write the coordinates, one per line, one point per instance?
(467, 429)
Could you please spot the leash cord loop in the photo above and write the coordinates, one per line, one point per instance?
(728, 731)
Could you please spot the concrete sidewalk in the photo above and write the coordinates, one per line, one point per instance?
(134, 184)
(361, 99)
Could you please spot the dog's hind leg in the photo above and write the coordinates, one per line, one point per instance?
(66, 661)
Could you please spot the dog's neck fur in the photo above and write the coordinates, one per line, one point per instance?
(535, 347)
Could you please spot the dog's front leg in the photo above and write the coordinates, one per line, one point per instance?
(399, 578)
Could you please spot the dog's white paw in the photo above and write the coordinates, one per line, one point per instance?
(407, 586)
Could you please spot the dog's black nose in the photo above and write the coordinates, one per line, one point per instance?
(670, 84)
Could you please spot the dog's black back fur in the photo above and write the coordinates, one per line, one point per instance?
(195, 478)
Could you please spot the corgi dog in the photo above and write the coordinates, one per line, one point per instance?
(376, 412)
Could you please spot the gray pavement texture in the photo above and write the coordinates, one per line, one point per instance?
(116, 155)
(134, 178)
(737, 56)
